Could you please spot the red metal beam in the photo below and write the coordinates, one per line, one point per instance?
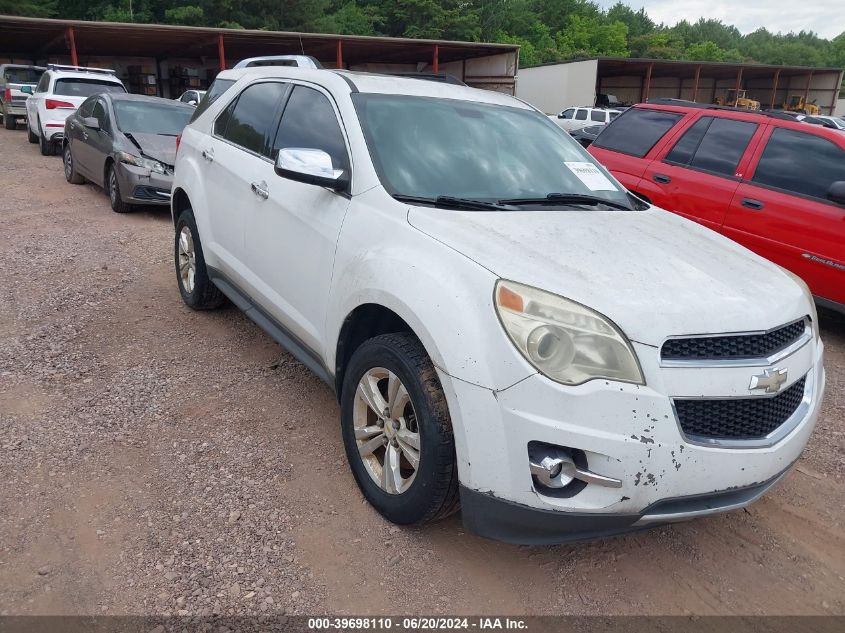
(695, 85)
(738, 81)
(647, 84)
(221, 51)
(71, 38)
(835, 93)
(774, 88)
(435, 61)
(339, 54)
(807, 88)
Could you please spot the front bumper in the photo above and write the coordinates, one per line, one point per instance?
(514, 523)
(141, 186)
(626, 432)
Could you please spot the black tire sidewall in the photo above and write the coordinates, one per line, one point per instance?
(416, 504)
(68, 176)
(43, 144)
(202, 282)
(117, 204)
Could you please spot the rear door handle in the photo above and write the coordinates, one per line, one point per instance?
(260, 189)
(661, 178)
(208, 154)
(752, 204)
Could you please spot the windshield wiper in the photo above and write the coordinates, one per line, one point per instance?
(567, 198)
(449, 202)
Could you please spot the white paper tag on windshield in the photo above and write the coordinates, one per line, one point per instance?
(591, 176)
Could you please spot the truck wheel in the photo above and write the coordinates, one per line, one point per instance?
(10, 122)
(195, 286)
(44, 145)
(30, 135)
(397, 431)
(113, 191)
(70, 167)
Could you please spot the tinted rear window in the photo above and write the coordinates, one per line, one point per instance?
(23, 75)
(713, 144)
(637, 130)
(218, 87)
(85, 87)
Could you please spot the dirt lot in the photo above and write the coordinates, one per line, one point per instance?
(154, 460)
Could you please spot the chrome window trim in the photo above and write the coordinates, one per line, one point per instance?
(772, 438)
(790, 349)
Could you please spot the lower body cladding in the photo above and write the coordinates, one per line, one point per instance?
(141, 186)
(541, 462)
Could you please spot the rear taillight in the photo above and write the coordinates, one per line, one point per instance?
(178, 141)
(7, 96)
(52, 104)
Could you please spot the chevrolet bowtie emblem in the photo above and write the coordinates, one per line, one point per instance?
(770, 380)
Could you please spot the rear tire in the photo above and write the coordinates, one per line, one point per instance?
(70, 167)
(113, 192)
(197, 290)
(413, 435)
(44, 145)
(30, 135)
(10, 122)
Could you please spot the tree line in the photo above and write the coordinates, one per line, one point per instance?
(547, 30)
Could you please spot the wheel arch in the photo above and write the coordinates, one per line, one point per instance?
(178, 203)
(364, 322)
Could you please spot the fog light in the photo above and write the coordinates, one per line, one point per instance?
(555, 467)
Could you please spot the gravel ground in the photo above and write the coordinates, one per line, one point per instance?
(160, 461)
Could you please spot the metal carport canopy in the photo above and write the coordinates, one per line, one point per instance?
(40, 37)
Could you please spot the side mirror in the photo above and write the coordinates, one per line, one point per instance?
(27, 90)
(192, 103)
(560, 115)
(311, 166)
(91, 122)
(836, 193)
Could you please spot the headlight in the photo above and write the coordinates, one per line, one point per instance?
(814, 315)
(140, 161)
(564, 340)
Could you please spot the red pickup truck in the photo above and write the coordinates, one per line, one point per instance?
(767, 181)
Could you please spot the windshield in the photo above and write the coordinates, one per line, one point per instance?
(85, 87)
(22, 74)
(151, 118)
(428, 147)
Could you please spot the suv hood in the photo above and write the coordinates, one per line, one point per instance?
(653, 273)
(161, 148)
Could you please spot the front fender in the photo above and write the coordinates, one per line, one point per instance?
(446, 298)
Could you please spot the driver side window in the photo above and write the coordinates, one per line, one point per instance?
(567, 114)
(99, 113)
(309, 121)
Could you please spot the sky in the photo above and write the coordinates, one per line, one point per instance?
(825, 17)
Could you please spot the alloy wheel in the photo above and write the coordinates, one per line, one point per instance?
(113, 192)
(187, 260)
(386, 430)
(68, 163)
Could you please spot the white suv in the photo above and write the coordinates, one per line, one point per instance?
(504, 325)
(577, 118)
(60, 91)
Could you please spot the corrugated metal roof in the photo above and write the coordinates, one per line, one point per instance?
(40, 37)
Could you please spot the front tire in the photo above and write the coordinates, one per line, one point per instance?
(397, 431)
(44, 144)
(113, 192)
(195, 286)
(70, 167)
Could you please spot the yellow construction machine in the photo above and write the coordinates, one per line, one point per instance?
(737, 99)
(797, 103)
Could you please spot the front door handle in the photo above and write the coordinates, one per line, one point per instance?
(752, 204)
(208, 154)
(260, 189)
(663, 179)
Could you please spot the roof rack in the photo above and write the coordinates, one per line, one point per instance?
(81, 69)
(712, 106)
(301, 61)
